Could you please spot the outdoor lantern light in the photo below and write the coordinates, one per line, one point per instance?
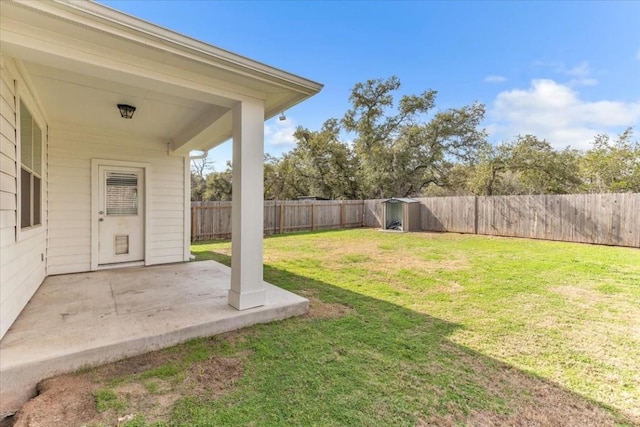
(282, 117)
(126, 111)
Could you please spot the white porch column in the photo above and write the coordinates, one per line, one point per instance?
(247, 290)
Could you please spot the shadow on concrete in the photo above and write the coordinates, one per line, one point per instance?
(88, 319)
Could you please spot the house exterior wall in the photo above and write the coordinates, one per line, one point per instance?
(62, 243)
(70, 174)
(22, 252)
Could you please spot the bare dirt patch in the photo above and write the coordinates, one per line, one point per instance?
(135, 365)
(69, 400)
(214, 377)
(62, 401)
(319, 309)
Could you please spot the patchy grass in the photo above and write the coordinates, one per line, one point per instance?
(107, 399)
(444, 327)
(407, 329)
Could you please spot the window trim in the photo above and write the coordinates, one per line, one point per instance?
(24, 97)
(30, 170)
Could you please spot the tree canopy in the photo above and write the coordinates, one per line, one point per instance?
(407, 148)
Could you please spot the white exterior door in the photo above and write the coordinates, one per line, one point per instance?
(120, 214)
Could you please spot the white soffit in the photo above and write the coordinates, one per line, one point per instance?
(78, 99)
(153, 47)
(84, 58)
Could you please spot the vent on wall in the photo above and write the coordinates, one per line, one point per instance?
(121, 245)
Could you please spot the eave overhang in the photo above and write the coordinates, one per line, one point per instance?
(95, 40)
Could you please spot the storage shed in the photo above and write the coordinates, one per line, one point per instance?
(401, 214)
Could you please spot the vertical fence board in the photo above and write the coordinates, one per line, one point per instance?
(608, 219)
(212, 220)
(373, 213)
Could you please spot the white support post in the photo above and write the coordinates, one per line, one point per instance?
(247, 289)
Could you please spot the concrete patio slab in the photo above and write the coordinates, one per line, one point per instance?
(87, 319)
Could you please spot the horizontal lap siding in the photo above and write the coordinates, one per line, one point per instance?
(21, 261)
(168, 210)
(70, 186)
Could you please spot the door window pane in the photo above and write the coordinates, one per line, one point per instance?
(122, 193)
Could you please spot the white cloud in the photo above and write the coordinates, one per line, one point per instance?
(588, 81)
(581, 74)
(495, 79)
(555, 112)
(279, 133)
(581, 70)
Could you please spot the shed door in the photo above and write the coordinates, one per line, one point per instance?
(120, 215)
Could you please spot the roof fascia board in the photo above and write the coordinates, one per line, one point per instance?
(34, 43)
(20, 36)
(116, 23)
(188, 44)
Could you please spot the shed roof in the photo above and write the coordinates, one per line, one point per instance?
(400, 200)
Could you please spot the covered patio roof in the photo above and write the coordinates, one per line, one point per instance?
(87, 319)
(73, 61)
(183, 89)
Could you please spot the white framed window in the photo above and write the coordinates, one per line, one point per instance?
(30, 170)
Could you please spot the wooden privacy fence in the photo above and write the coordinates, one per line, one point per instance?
(607, 219)
(212, 220)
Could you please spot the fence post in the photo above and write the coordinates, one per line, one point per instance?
(587, 218)
(281, 217)
(313, 216)
(193, 223)
(275, 216)
(475, 216)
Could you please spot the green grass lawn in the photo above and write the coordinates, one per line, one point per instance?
(432, 329)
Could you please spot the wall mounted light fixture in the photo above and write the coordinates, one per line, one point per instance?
(126, 111)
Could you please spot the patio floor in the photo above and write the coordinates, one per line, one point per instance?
(87, 319)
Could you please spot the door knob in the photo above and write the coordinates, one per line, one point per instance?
(100, 219)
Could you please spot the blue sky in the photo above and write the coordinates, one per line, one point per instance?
(564, 71)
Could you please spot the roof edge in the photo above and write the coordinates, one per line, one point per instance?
(186, 44)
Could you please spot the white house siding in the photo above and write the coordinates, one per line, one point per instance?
(23, 257)
(70, 152)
